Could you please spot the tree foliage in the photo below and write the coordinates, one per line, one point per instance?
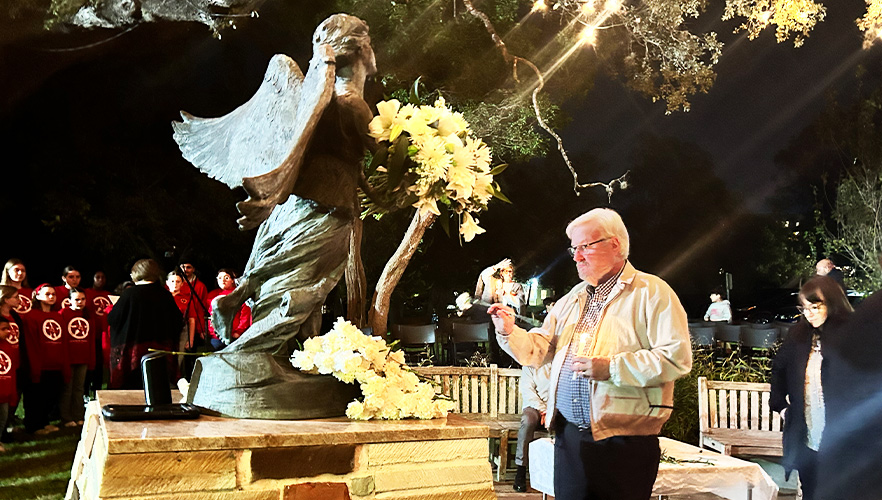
(858, 217)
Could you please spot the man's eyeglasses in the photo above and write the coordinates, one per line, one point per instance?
(582, 248)
(814, 308)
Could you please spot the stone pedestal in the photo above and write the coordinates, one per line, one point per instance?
(231, 459)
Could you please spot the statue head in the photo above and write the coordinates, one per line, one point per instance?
(348, 37)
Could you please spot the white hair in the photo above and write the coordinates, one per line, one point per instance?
(610, 224)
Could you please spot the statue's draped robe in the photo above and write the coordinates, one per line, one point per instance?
(299, 255)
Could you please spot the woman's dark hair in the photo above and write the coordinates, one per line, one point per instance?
(825, 290)
(68, 269)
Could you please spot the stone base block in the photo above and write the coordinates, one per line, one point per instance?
(216, 458)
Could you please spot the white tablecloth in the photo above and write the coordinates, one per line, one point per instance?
(728, 477)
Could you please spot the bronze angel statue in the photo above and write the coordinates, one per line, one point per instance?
(296, 147)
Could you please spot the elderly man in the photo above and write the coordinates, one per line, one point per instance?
(617, 341)
(826, 267)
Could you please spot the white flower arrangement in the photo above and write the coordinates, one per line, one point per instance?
(391, 391)
(450, 164)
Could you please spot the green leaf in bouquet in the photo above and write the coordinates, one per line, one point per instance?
(397, 166)
(415, 92)
(494, 190)
(412, 150)
(498, 169)
(379, 158)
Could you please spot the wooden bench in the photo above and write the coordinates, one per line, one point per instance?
(488, 395)
(735, 419)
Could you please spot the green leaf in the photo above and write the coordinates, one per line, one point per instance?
(444, 220)
(498, 169)
(494, 190)
(397, 159)
(380, 156)
(415, 92)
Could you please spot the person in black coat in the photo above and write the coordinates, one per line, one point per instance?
(850, 457)
(798, 377)
(145, 317)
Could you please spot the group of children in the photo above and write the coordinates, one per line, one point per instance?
(54, 340)
(49, 341)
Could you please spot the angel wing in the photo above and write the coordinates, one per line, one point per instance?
(261, 144)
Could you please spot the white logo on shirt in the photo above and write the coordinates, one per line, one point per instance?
(25, 306)
(78, 328)
(52, 330)
(5, 363)
(13, 334)
(101, 304)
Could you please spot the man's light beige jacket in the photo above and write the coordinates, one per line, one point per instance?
(644, 332)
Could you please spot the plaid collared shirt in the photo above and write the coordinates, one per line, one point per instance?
(573, 392)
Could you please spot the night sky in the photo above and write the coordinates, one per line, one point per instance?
(86, 135)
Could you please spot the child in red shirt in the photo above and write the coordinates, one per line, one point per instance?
(12, 347)
(226, 280)
(80, 331)
(15, 275)
(47, 359)
(97, 305)
(175, 284)
(8, 393)
(71, 279)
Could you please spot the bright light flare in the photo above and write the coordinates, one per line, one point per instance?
(588, 8)
(539, 6)
(612, 5)
(588, 35)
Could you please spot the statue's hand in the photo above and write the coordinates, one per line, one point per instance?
(504, 263)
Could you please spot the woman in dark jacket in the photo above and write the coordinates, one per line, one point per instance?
(850, 456)
(797, 374)
(145, 317)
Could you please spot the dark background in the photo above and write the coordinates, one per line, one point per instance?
(92, 177)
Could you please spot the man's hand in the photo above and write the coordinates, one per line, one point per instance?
(542, 418)
(503, 318)
(595, 367)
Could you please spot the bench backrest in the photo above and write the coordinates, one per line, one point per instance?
(736, 405)
(485, 390)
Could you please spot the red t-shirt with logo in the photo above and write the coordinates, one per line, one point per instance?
(202, 294)
(98, 304)
(47, 343)
(13, 342)
(182, 301)
(9, 364)
(27, 303)
(62, 298)
(81, 334)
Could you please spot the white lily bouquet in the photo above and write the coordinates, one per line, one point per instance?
(391, 390)
(428, 154)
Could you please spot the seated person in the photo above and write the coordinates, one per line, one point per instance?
(534, 391)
